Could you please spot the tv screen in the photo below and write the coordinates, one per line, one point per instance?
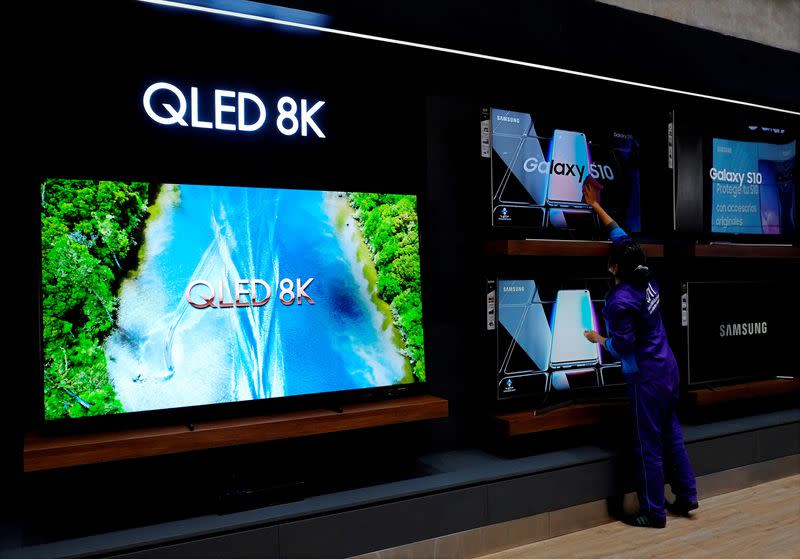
(540, 343)
(739, 330)
(752, 187)
(538, 171)
(159, 296)
(735, 180)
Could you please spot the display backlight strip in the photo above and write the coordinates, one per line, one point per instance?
(309, 27)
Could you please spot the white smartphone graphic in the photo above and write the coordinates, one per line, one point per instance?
(572, 315)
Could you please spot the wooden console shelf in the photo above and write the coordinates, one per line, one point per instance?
(560, 248)
(744, 251)
(746, 391)
(50, 452)
(576, 415)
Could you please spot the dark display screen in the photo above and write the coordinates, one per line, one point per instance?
(740, 330)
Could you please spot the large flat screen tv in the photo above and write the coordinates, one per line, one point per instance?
(739, 330)
(538, 170)
(541, 348)
(734, 180)
(158, 296)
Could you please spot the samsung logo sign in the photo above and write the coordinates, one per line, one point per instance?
(513, 289)
(508, 119)
(235, 111)
(742, 329)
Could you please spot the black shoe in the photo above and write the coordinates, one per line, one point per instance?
(682, 507)
(643, 520)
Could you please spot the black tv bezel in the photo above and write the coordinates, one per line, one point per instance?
(190, 415)
(720, 128)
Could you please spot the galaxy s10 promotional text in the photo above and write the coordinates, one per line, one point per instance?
(753, 187)
(540, 343)
(537, 176)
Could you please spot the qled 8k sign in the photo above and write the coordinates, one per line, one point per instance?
(229, 110)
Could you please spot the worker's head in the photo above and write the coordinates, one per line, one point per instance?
(628, 264)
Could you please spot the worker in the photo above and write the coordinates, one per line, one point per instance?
(637, 338)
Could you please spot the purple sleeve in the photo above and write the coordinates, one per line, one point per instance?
(621, 330)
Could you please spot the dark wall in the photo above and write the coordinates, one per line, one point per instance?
(586, 36)
(400, 119)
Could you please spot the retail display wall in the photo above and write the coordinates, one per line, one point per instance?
(359, 123)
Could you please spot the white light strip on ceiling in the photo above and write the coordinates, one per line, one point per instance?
(309, 27)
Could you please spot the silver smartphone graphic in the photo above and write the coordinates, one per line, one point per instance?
(573, 315)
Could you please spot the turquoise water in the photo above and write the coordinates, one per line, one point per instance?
(165, 353)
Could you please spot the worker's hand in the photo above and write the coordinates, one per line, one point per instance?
(594, 337)
(591, 191)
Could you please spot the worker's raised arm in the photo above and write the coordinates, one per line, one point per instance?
(591, 190)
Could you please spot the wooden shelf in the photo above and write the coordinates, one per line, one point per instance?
(49, 452)
(745, 391)
(576, 415)
(560, 248)
(743, 251)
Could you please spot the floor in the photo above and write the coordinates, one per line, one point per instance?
(760, 521)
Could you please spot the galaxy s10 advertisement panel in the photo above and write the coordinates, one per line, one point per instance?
(538, 170)
(540, 343)
(740, 330)
(158, 296)
(735, 177)
(753, 187)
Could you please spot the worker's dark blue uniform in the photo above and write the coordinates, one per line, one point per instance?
(637, 338)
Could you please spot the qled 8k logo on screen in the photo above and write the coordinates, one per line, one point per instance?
(201, 294)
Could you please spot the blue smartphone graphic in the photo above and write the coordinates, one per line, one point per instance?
(569, 167)
(572, 315)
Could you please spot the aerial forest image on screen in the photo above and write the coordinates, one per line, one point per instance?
(159, 296)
